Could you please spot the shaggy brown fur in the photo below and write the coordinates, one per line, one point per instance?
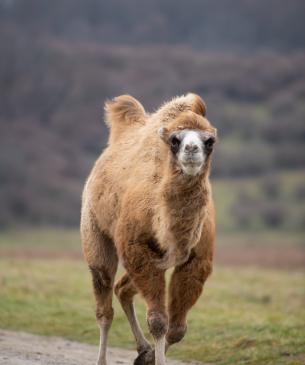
(138, 206)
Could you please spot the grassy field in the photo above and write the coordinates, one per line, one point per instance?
(246, 315)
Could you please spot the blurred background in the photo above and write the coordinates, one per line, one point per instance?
(61, 59)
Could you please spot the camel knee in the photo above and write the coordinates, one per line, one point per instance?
(102, 286)
(101, 279)
(175, 333)
(119, 291)
(124, 289)
(104, 315)
(157, 323)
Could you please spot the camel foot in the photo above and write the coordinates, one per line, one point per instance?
(145, 358)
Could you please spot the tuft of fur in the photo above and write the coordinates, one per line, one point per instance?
(173, 108)
(122, 112)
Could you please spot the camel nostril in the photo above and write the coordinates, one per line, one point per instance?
(191, 148)
(195, 148)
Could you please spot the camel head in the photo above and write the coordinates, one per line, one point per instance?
(190, 139)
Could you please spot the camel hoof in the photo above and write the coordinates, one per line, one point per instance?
(145, 358)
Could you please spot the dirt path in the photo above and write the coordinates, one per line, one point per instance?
(19, 348)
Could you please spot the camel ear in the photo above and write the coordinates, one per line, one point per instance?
(164, 134)
(199, 106)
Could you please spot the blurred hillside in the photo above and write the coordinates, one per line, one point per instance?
(205, 24)
(60, 60)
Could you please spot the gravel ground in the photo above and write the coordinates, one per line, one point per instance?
(19, 348)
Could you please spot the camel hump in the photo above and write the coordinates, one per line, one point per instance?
(121, 113)
(189, 102)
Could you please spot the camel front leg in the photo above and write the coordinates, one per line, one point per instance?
(186, 285)
(139, 262)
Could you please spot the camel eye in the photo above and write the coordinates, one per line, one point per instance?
(175, 143)
(209, 143)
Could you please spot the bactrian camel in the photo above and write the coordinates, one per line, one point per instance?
(147, 203)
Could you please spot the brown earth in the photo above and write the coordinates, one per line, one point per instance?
(280, 256)
(273, 256)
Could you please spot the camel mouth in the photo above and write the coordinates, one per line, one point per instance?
(191, 168)
(192, 163)
(192, 159)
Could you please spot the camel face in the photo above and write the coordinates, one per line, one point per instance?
(191, 149)
(190, 139)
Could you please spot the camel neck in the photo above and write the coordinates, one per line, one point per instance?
(183, 191)
(182, 208)
(180, 213)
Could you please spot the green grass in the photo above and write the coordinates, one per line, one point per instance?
(246, 316)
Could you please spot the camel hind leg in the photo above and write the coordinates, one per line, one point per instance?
(101, 256)
(125, 291)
